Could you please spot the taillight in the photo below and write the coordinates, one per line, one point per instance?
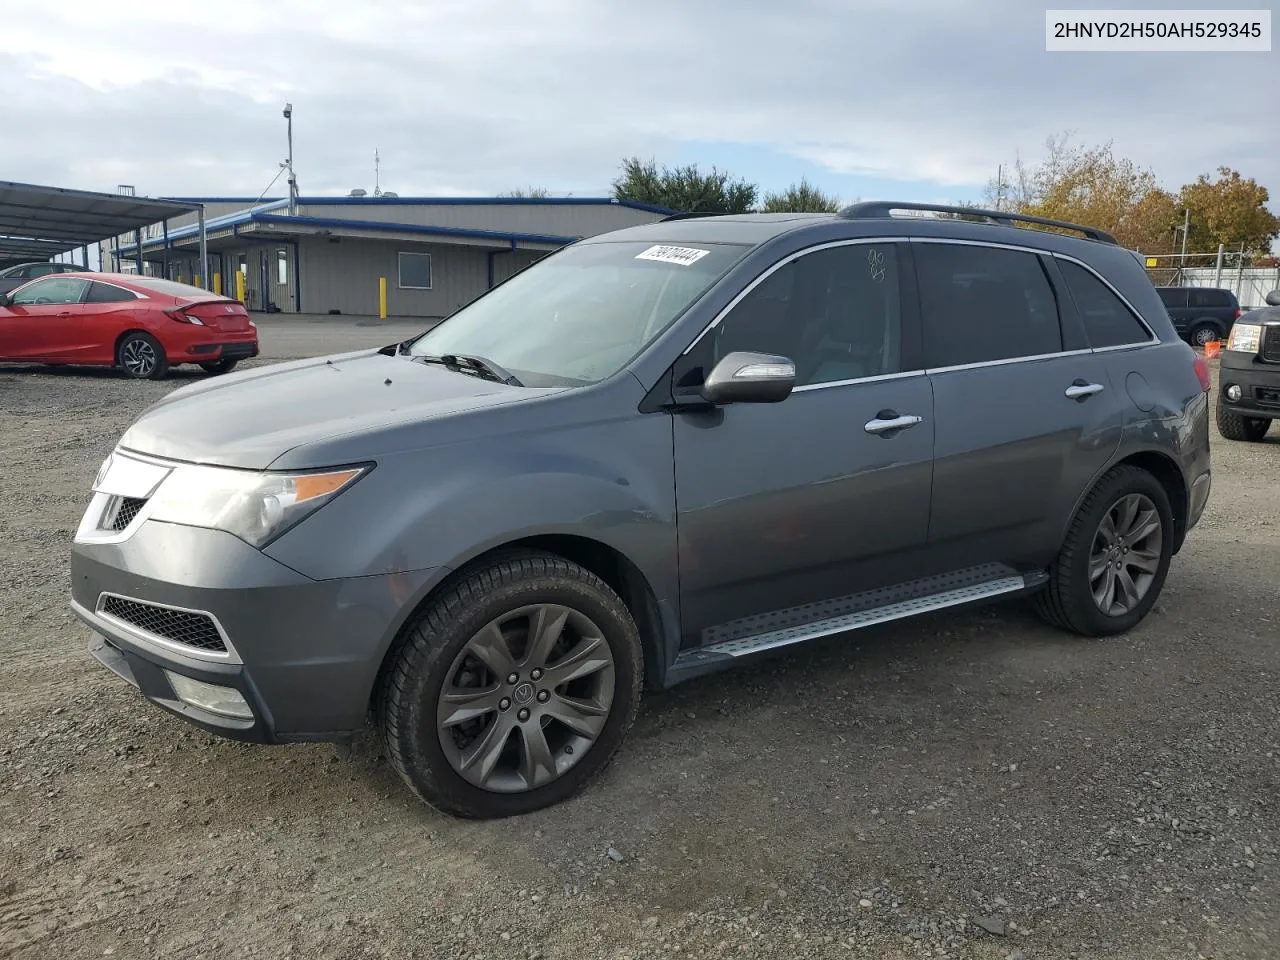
(176, 313)
(1202, 372)
(1239, 313)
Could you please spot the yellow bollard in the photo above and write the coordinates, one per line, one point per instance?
(240, 286)
(198, 283)
(382, 298)
(217, 284)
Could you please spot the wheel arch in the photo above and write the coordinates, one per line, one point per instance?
(127, 331)
(619, 572)
(1166, 470)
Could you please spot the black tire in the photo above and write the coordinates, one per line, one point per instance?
(141, 357)
(219, 366)
(1236, 426)
(1067, 601)
(413, 681)
(1203, 333)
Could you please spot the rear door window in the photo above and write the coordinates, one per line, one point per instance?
(1107, 321)
(1173, 299)
(105, 293)
(1210, 298)
(981, 304)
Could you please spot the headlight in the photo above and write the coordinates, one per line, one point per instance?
(256, 507)
(1244, 337)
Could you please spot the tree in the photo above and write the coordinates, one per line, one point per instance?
(685, 189)
(801, 197)
(530, 193)
(1230, 210)
(1093, 187)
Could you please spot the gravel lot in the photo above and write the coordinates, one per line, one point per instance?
(967, 785)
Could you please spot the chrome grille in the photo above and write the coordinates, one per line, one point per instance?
(1271, 344)
(186, 627)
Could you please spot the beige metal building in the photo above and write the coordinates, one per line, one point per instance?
(425, 256)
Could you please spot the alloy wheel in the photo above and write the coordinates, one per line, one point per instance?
(1126, 554)
(526, 698)
(139, 358)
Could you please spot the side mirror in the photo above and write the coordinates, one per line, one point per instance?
(1273, 298)
(6, 299)
(750, 378)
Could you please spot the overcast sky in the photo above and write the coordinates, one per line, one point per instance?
(909, 99)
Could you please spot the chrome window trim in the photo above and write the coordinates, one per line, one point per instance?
(1006, 361)
(905, 374)
(164, 643)
(789, 258)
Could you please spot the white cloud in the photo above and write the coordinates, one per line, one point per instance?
(473, 96)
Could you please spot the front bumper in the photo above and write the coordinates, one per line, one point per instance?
(1259, 384)
(304, 654)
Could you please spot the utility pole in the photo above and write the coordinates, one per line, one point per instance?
(1186, 228)
(999, 185)
(293, 180)
(377, 189)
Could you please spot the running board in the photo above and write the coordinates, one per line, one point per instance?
(713, 655)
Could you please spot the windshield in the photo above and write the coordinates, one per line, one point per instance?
(584, 313)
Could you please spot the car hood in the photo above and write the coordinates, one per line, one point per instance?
(252, 418)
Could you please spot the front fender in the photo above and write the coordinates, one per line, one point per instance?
(611, 481)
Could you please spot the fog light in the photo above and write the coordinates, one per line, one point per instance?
(1233, 392)
(224, 701)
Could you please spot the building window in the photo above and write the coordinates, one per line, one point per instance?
(282, 266)
(415, 271)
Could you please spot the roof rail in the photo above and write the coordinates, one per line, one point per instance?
(877, 209)
(687, 214)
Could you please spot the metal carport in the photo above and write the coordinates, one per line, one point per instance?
(39, 223)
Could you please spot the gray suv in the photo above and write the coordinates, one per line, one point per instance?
(654, 454)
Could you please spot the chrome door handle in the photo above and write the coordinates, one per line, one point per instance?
(890, 424)
(1079, 390)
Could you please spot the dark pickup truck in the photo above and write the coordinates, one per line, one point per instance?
(1249, 375)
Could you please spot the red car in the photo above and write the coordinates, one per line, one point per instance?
(143, 325)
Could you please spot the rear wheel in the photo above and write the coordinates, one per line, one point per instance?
(1204, 333)
(1235, 426)
(1115, 558)
(140, 356)
(219, 366)
(513, 688)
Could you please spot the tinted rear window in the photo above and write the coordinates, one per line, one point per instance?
(1210, 298)
(105, 293)
(170, 287)
(1107, 321)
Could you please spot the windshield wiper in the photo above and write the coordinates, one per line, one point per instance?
(480, 365)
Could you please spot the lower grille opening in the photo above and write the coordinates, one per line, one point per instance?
(180, 626)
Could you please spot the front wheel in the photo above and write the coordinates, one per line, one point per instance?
(1235, 426)
(512, 689)
(219, 366)
(1115, 557)
(141, 356)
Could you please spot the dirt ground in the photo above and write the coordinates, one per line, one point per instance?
(967, 785)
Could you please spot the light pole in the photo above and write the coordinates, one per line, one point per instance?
(293, 180)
